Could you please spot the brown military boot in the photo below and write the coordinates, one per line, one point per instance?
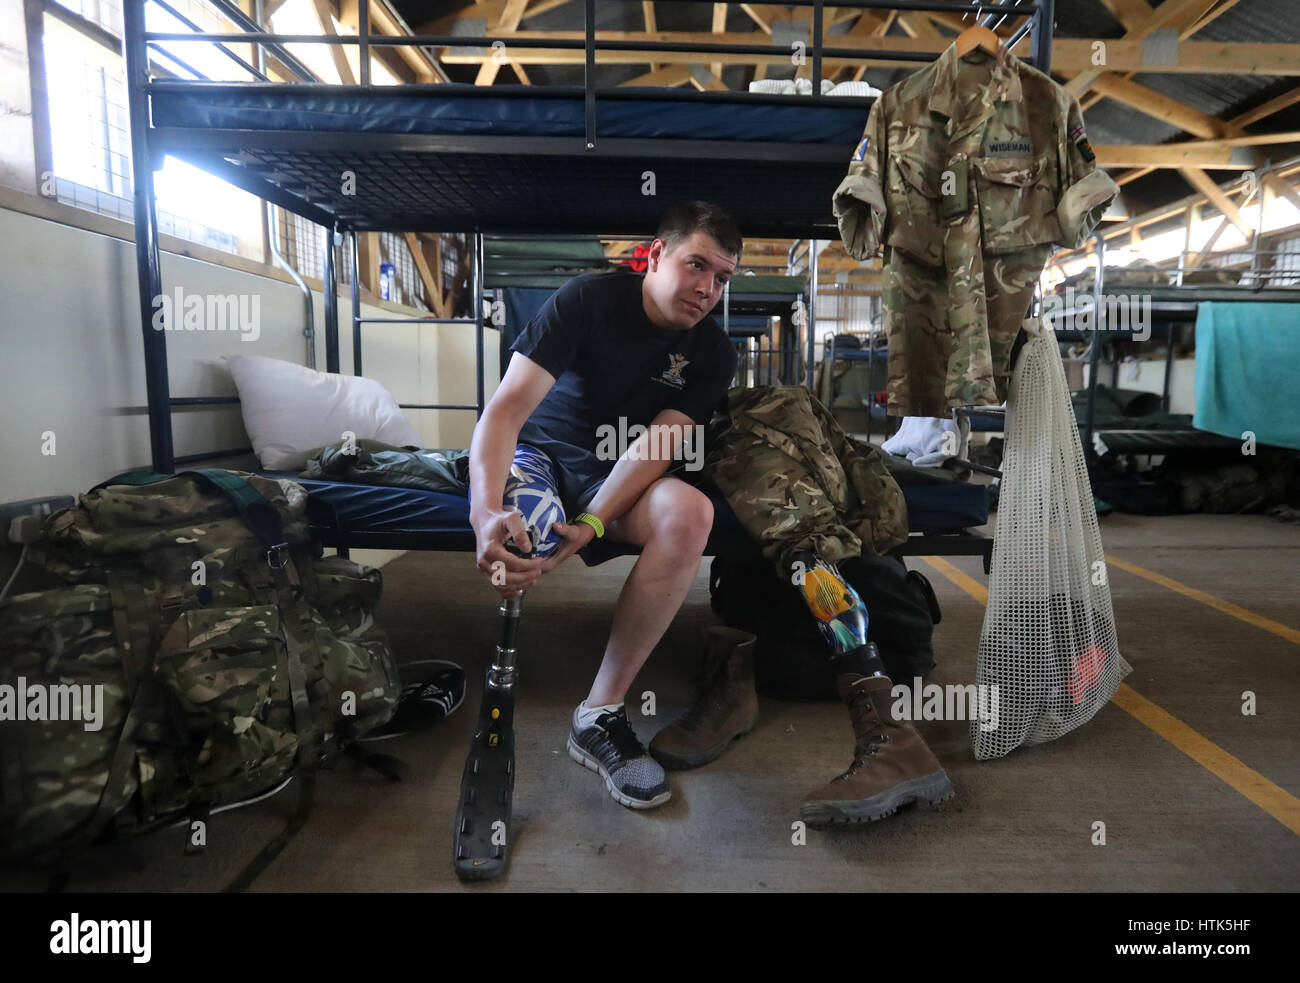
(725, 707)
(892, 766)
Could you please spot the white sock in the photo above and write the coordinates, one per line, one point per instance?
(585, 716)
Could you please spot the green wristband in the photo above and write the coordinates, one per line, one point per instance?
(591, 520)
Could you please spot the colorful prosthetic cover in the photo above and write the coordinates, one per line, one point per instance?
(839, 610)
(531, 490)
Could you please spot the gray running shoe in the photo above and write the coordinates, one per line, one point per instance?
(610, 748)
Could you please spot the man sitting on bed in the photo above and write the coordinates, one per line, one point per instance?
(609, 352)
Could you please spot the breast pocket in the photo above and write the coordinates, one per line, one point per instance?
(1017, 205)
(913, 198)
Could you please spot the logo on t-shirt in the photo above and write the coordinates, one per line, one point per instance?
(672, 375)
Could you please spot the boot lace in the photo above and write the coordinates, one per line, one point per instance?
(860, 703)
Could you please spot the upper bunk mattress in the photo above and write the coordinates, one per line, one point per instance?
(463, 110)
(454, 158)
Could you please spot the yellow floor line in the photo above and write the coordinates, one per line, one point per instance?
(1276, 801)
(1227, 607)
(965, 581)
(1273, 799)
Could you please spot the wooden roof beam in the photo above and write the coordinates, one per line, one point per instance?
(1130, 13)
(1199, 180)
(489, 11)
(1156, 19)
(1068, 54)
(349, 17)
(1280, 187)
(1276, 178)
(668, 75)
(1187, 24)
(1237, 123)
(419, 66)
(510, 17)
(1285, 100)
(1190, 154)
(710, 82)
(719, 27)
(1162, 107)
(432, 284)
(1199, 22)
(763, 14)
(648, 14)
(325, 18)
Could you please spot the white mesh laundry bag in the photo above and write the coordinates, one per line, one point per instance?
(1048, 642)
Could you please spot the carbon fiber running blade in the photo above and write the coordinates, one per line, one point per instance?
(486, 790)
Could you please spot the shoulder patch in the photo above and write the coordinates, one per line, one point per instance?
(860, 154)
(1085, 150)
(1076, 133)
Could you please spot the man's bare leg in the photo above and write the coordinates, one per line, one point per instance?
(671, 523)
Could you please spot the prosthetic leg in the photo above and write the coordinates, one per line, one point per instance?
(840, 613)
(892, 766)
(487, 785)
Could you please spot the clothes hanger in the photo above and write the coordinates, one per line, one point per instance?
(976, 37)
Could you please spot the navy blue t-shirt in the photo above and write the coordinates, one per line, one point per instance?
(610, 361)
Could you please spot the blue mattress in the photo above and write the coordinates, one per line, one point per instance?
(409, 518)
(463, 110)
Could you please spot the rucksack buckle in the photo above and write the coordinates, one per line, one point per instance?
(277, 556)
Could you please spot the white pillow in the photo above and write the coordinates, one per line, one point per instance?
(291, 411)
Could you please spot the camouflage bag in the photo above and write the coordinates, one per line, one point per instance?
(796, 481)
(194, 651)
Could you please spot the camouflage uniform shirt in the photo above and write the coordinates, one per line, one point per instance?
(967, 173)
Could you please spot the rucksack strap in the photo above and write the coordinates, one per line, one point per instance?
(257, 513)
(308, 759)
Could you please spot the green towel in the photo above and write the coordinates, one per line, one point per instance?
(1248, 371)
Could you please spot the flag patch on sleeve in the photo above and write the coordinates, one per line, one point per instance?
(1076, 133)
(860, 154)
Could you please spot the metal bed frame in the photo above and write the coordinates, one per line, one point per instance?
(1177, 303)
(213, 150)
(210, 148)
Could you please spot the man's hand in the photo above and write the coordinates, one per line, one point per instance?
(508, 573)
(576, 536)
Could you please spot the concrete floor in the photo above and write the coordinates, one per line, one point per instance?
(1024, 823)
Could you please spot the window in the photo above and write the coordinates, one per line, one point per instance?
(90, 130)
(90, 140)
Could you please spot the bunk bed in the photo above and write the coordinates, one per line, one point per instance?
(526, 162)
(1171, 304)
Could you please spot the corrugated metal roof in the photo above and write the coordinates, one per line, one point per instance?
(1113, 122)
(1109, 122)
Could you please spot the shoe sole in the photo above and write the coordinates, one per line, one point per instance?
(685, 762)
(931, 790)
(587, 761)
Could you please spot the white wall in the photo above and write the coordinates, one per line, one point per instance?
(1148, 375)
(72, 359)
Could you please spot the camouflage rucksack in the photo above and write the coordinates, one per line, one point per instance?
(204, 649)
